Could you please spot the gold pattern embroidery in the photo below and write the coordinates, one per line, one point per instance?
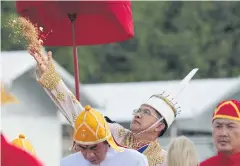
(132, 143)
(171, 105)
(153, 151)
(54, 98)
(73, 98)
(75, 101)
(61, 96)
(84, 134)
(74, 117)
(50, 79)
(121, 132)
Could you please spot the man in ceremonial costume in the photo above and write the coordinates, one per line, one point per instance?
(150, 121)
(95, 144)
(226, 135)
(10, 154)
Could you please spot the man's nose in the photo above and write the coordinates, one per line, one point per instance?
(90, 155)
(224, 132)
(138, 115)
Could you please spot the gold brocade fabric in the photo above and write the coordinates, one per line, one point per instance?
(50, 79)
(153, 151)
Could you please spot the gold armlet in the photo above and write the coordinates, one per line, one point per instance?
(50, 78)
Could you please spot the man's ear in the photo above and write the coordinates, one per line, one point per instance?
(74, 146)
(160, 127)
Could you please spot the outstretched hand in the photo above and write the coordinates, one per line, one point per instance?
(43, 61)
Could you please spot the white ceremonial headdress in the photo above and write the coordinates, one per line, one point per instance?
(166, 104)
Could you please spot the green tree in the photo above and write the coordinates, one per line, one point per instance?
(170, 39)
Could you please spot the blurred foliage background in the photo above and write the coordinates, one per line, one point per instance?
(170, 39)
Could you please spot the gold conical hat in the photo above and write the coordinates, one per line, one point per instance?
(23, 143)
(91, 128)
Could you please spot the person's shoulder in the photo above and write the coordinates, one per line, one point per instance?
(163, 153)
(72, 158)
(132, 152)
(163, 156)
(129, 157)
(209, 162)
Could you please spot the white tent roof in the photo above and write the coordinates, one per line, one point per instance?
(14, 64)
(120, 99)
(117, 100)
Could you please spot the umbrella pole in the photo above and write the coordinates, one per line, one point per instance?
(72, 18)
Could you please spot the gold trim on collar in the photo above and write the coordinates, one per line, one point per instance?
(153, 151)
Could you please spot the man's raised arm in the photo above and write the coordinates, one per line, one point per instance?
(54, 86)
(67, 103)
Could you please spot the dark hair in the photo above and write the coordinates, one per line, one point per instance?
(165, 128)
(105, 142)
(109, 120)
(164, 122)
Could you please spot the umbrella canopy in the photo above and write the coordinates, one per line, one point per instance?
(96, 22)
(73, 23)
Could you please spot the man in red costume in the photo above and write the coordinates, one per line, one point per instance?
(10, 154)
(226, 135)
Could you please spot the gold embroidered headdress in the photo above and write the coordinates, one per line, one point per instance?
(91, 128)
(167, 104)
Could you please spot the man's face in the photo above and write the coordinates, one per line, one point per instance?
(95, 154)
(144, 118)
(226, 135)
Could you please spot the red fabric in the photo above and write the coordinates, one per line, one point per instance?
(229, 108)
(222, 160)
(13, 156)
(98, 22)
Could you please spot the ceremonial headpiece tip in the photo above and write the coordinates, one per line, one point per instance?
(21, 136)
(88, 108)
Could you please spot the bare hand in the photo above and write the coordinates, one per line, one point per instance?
(43, 61)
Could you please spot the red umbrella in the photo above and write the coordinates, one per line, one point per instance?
(75, 23)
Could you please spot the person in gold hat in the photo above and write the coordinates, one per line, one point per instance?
(150, 121)
(24, 144)
(226, 134)
(10, 154)
(96, 146)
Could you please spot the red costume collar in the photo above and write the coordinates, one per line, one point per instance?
(232, 159)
